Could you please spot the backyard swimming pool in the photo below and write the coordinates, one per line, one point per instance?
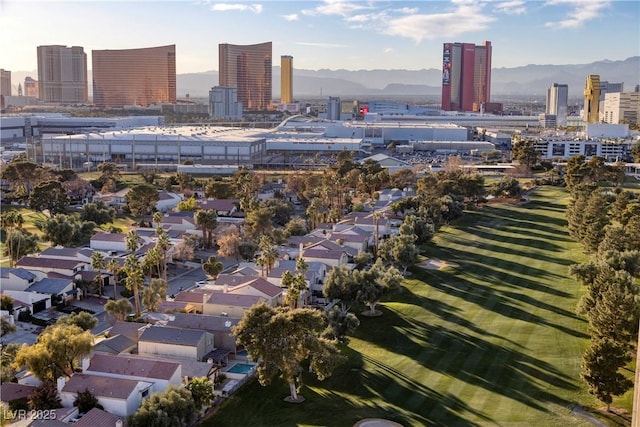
(241, 368)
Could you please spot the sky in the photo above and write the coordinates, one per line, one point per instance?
(330, 34)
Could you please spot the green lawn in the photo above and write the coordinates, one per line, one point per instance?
(493, 342)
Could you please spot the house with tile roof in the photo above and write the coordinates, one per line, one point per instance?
(175, 342)
(14, 393)
(99, 418)
(167, 201)
(63, 289)
(119, 396)
(109, 242)
(68, 267)
(60, 252)
(219, 326)
(232, 305)
(18, 279)
(159, 373)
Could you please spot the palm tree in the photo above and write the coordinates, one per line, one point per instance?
(114, 268)
(134, 280)
(207, 220)
(98, 264)
(268, 253)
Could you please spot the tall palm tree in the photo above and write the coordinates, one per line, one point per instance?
(98, 264)
(207, 220)
(114, 268)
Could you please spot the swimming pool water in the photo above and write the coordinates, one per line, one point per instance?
(240, 368)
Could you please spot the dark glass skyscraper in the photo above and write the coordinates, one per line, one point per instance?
(466, 76)
(247, 68)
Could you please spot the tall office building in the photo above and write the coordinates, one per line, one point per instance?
(466, 76)
(62, 74)
(247, 68)
(223, 103)
(557, 100)
(286, 79)
(31, 87)
(621, 107)
(610, 87)
(134, 76)
(592, 99)
(5, 82)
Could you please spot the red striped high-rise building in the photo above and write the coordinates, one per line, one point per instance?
(466, 76)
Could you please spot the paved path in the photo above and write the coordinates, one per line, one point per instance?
(578, 411)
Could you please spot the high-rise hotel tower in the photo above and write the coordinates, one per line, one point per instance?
(247, 68)
(466, 76)
(62, 74)
(286, 79)
(557, 101)
(134, 76)
(592, 99)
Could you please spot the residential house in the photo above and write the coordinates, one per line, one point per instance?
(232, 305)
(159, 373)
(315, 274)
(99, 418)
(175, 342)
(58, 289)
(167, 201)
(179, 221)
(15, 394)
(117, 344)
(60, 252)
(227, 210)
(29, 301)
(111, 243)
(328, 252)
(67, 267)
(119, 396)
(18, 279)
(219, 326)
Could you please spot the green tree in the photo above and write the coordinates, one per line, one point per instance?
(281, 211)
(7, 357)
(268, 253)
(229, 242)
(6, 327)
(189, 205)
(97, 212)
(297, 227)
(404, 251)
(154, 294)
(118, 309)
(339, 325)
(525, 152)
(49, 195)
(295, 285)
(6, 303)
(23, 175)
(601, 365)
(595, 219)
(84, 320)
(201, 390)
(19, 243)
(11, 219)
(247, 250)
(44, 397)
(281, 339)
(341, 285)
(212, 267)
(98, 264)
(422, 229)
(375, 283)
(67, 230)
(134, 279)
(258, 222)
(207, 220)
(85, 401)
(218, 189)
(141, 200)
(109, 174)
(635, 152)
(174, 406)
(55, 352)
(114, 268)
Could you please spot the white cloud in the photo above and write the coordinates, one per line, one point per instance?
(466, 17)
(514, 7)
(387, 50)
(291, 17)
(580, 11)
(226, 7)
(313, 44)
(336, 7)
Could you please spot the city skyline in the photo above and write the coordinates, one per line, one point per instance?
(328, 34)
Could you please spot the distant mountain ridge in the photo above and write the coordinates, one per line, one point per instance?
(530, 79)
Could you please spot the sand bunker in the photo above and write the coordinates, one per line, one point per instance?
(436, 264)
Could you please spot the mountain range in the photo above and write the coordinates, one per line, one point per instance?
(533, 80)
